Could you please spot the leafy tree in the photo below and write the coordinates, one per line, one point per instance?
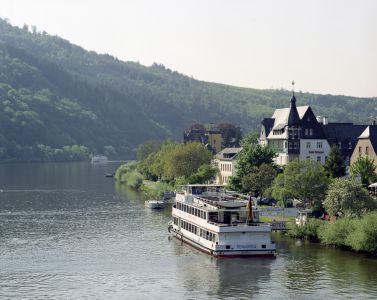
(335, 166)
(259, 180)
(146, 149)
(365, 168)
(204, 174)
(186, 159)
(251, 156)
(278, 190)
(348, 197)
(303, 179)
(251, 138)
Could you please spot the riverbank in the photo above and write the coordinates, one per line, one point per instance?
(129, 175)
(354, 234)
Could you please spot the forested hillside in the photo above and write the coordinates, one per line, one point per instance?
(61, 102)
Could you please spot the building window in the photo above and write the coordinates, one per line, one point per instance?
(306, 131)
(290, 145)
(319, 145)
(308, 157)
(308, 145)
(310, 131)
(295, 145)
(285, 145)
(366, 150)
(349, 145)
(319, 158)
(340, 145)
(360, 149)
(326, 158)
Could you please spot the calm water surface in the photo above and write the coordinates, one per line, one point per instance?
(67, 232)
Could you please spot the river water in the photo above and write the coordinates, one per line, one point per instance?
(67, 232)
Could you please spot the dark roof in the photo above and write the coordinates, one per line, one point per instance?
(343, 131)
(268, 123)
(293, 117)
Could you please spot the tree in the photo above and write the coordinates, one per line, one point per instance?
(253, 156)
(185, 160)
(348, 197)
(146, 149)
(204, 174)
(250, 157)
(259, 180)
(365, 168)
(305, 180)
(251, 138)
(277, 189)
(334, 165)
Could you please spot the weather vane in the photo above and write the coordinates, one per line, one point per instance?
(293, 85)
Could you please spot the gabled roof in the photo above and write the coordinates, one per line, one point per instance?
(281, 116)
(370, 133)
(228, 153)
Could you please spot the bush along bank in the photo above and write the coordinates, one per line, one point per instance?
(355, 234)
(129, 175)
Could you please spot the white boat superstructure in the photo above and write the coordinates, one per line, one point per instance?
(219, 223)
(99, 159)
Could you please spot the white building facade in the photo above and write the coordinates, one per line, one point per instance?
(226, 162)
(295, 133)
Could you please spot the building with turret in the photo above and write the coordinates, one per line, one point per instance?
(296, 133)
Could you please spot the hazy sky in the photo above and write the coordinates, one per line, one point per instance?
(326, 46)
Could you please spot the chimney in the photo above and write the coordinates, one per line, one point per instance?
(374, 122)
(325, 120)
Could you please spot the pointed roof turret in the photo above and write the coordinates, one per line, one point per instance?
(293, 117)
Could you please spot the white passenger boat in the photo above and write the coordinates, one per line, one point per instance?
(99, 159)
(219, 223)
(154, 204)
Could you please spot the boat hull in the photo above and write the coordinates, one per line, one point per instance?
(225, 253)
(154, 204)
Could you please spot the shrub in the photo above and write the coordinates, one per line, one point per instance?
(364, 236)
(134, 179)
(123, 170)
(309, 231)
(336, 233)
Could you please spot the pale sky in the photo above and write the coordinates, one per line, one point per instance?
(326, 46)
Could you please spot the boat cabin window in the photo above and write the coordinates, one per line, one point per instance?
(213, 216)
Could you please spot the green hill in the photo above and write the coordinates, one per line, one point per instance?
(61, 102)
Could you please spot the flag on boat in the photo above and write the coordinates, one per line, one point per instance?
(249, 207)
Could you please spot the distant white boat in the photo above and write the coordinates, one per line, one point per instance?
(99, 159)
(155, 204)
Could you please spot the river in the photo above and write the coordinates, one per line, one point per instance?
(67, 232)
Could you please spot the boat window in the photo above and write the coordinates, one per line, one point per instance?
(213, 216)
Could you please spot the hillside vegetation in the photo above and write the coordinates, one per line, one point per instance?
(61, 102)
